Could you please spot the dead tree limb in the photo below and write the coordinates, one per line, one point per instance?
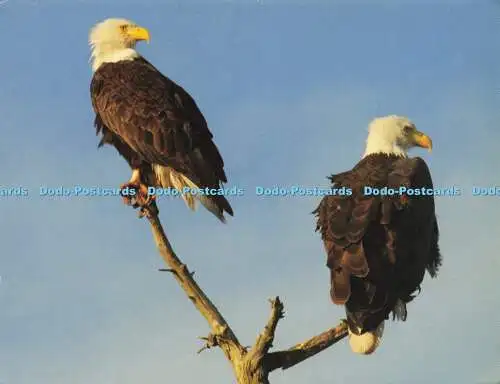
(250, 366)
(222, 335)
(309, 348)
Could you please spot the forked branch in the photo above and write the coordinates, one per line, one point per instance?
(251, 366)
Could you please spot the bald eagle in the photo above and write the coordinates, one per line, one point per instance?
(379, 247)
(151, 121)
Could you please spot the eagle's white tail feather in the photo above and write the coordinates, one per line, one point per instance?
(169, 178)
(367, 342)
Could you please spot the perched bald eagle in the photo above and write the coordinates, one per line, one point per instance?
(152, 122)
(379, 247)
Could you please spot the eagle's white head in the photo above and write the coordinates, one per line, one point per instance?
(114, 40)
(394, 135)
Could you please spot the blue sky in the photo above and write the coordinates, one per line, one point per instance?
(288, 91)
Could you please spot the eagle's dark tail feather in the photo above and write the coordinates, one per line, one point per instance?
(217, 205)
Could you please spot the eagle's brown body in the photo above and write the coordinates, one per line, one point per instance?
(379, 247)
(157, 127)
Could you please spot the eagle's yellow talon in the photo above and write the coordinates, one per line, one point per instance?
(128, 199)
(141, 198)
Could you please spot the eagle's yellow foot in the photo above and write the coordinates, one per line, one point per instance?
(404, 200)
(136, 195)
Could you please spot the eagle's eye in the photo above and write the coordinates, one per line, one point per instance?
(408, 128)
(124, 28)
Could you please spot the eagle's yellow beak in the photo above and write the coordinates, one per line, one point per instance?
(138, 33)
(422, 140)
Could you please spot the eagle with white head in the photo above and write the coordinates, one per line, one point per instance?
(379, 245)
(152, 122)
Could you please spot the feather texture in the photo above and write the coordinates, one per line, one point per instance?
(157, 127)
(378, 247)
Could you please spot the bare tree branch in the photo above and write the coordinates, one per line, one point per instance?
(258, 352)
(221, 330)
(265, 340)
(309, 348)
(210, 342)
(251, 366)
